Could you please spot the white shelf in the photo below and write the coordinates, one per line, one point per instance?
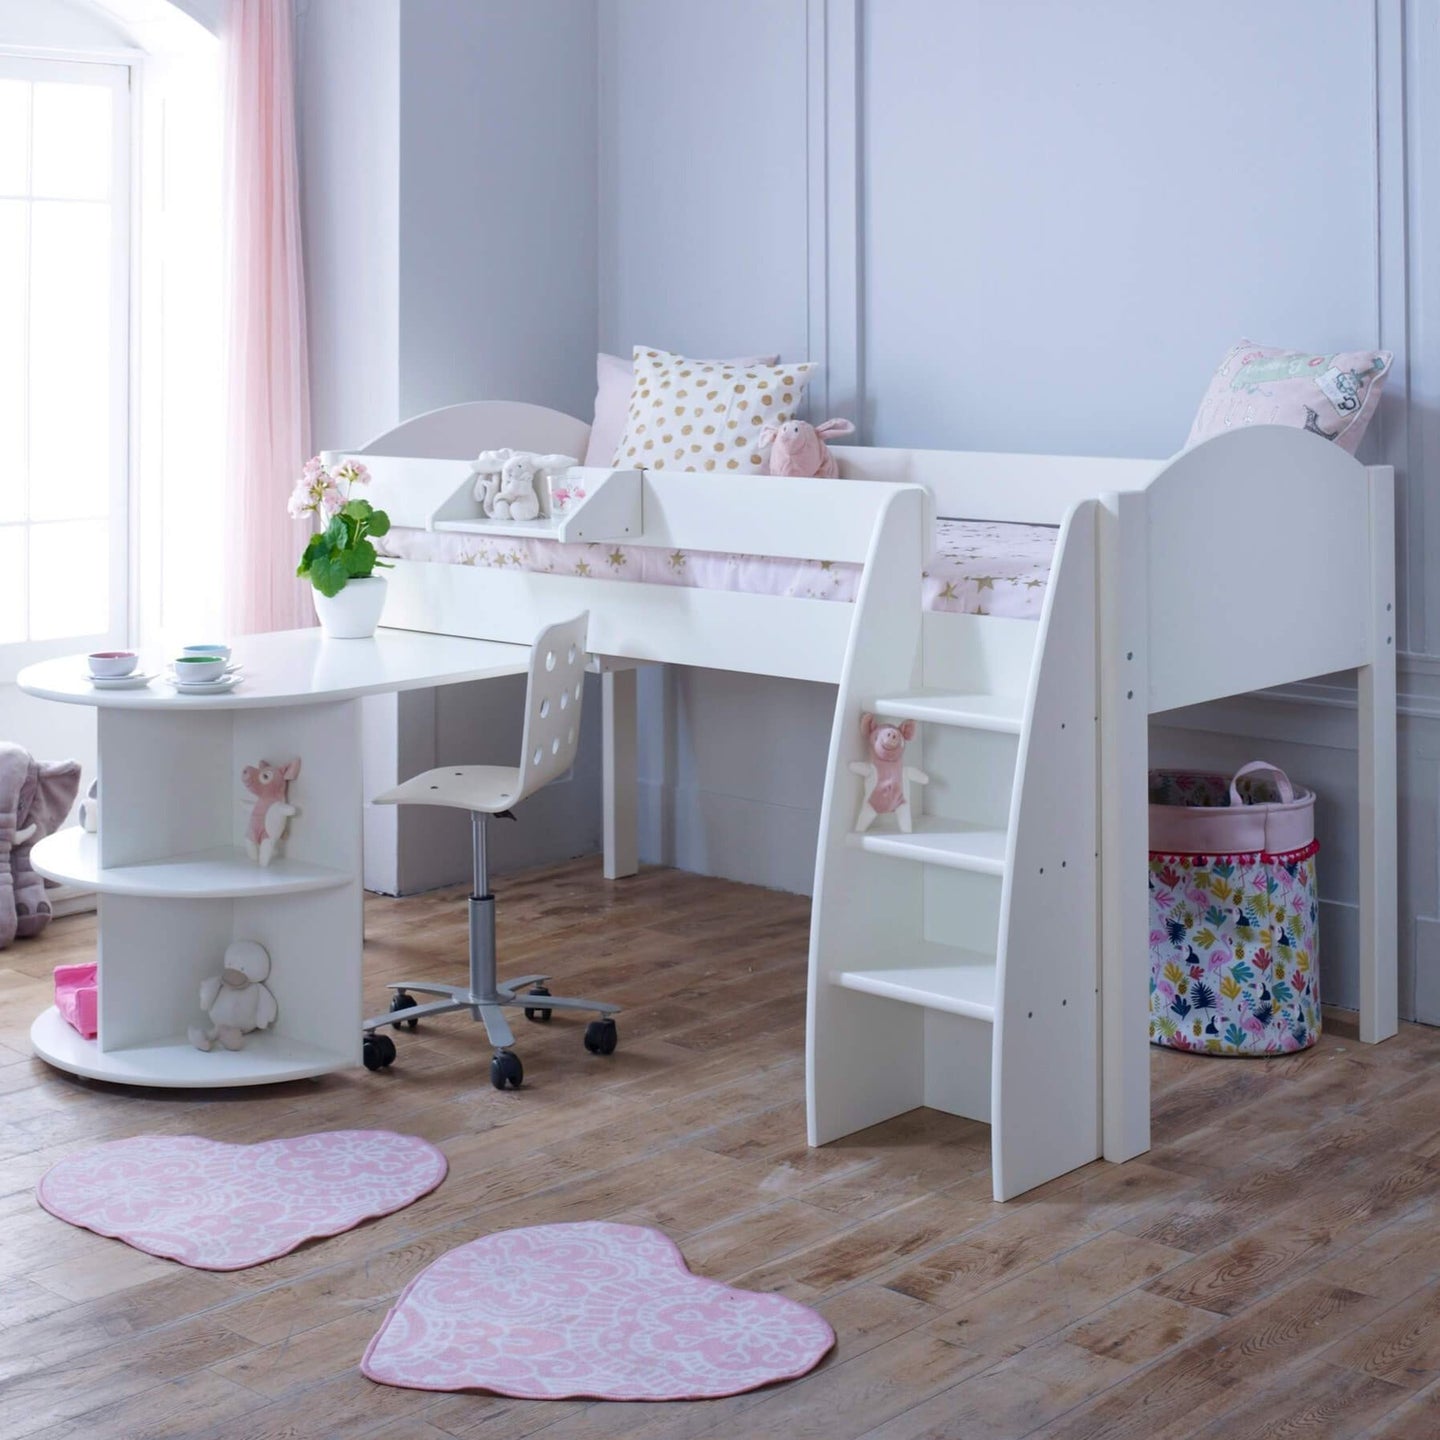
(1003, 713)
(938, 841)
(176, 1064)
(73, 857)
(610, 511)
(961, 982)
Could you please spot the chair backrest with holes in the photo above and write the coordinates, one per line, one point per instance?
(552, 704)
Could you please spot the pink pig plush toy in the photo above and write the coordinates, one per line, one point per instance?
(799, 448)
(272, 811)
(886, 775)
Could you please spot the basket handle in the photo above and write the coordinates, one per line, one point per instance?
(1282, 780)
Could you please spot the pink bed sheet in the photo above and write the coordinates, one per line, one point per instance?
(977, 568)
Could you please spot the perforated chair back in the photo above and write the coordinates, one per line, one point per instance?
(553, 698)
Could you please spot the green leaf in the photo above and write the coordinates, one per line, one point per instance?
(328, 574)
(360, 559)
(379, 522)
(337, 533)
(315, 547)
(356, 509)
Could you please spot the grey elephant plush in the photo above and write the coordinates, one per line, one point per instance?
(35, 799)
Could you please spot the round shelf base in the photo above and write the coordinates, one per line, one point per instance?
(174, 1063)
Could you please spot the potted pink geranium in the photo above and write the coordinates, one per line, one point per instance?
(340, 560)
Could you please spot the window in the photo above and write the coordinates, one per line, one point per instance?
(64, 357)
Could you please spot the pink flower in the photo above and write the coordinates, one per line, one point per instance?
(352, 472)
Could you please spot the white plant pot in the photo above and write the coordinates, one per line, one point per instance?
(354, 613)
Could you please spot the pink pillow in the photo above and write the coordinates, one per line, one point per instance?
(1331, 395)
(615, 378)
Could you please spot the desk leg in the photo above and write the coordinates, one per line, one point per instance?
(619, 713)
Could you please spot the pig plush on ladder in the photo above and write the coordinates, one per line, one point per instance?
(886, 775)
(799, 448)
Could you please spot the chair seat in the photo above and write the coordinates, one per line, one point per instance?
(487, 788)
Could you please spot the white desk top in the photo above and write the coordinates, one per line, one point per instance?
(296, 667)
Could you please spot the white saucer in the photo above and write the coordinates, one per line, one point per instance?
(119, 682)
(233, 668)
(205, 687)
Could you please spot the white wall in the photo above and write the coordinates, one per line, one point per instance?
(1056, 220)
(347, 117)
(497, 202)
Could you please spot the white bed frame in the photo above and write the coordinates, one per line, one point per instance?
(995, 962)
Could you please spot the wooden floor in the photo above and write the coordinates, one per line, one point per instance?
(1271, 1268)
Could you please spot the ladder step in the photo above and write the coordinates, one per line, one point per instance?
(961, 982)
(1004, 713)
(938, 841)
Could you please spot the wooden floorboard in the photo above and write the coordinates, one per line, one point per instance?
(1271, 1267)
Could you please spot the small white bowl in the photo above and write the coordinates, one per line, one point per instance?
(221, 652)
(112, 664)
(192, 668)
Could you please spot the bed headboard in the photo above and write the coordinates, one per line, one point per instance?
(461, 432)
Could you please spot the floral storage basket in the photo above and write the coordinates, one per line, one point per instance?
(1234, 940)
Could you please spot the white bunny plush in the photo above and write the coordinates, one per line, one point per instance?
(517, 498)
(486, 468)
(237, 1000)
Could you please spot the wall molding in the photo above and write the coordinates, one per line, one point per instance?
(833, 214)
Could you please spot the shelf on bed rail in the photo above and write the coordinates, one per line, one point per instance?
(602, 505)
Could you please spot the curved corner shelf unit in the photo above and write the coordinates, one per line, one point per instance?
(177, 885)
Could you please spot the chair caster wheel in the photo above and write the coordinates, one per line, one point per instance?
(506, 1069)
(401, 1001)
(538, 1013)
(601, 1037)
(378, 1052)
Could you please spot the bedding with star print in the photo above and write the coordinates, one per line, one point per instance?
(977, 567)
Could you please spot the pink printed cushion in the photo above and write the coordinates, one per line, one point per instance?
(215, 1206)
(615, 378)
(1333, 395)
(597, 1309)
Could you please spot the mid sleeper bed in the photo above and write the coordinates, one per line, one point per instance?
(993, 963)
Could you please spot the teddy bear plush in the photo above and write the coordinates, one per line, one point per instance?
(237, 1000)
(272, 810)
(886, 775)
(35, 799)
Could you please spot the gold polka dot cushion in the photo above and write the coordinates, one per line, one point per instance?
(705, 414)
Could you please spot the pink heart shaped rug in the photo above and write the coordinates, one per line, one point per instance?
(594, 1310)
(215, 1206)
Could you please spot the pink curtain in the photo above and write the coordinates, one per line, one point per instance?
(267, 381)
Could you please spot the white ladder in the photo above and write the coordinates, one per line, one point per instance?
(957, 966)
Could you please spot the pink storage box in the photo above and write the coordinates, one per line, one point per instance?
(77, 997)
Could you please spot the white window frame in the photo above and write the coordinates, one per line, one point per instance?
(120, 73)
